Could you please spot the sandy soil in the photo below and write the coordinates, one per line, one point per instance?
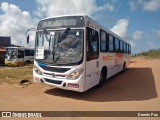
(138, 89)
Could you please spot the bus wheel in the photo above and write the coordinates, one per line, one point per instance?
(102, 79)
(27, 62)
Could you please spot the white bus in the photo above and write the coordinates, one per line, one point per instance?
(18, 56)
(80, 53)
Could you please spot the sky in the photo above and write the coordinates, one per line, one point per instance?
(136, 21)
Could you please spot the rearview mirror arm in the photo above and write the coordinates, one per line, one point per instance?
(27, 35)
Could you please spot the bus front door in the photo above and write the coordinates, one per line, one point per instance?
(92, 59)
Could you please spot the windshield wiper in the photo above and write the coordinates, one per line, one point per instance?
(63, 35)
(60, 39)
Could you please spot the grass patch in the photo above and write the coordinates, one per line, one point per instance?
(151, 54)
(14, 75)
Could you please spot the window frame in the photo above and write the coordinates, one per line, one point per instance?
(126, 48)
(106, 41)
(129, 49)
(91, 55)
(117, 45)
(29, 52)
(121, 46)
(109, 43)
(20, 53)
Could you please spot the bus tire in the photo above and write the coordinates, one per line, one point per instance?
(27, 62)
(102, 80)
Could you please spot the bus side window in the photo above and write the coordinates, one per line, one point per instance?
(20, 54)
(111, 43)
(92, 44)
(29, 52)
(129, 49)
(32, 52)
(116, 45)
(103, 41)
(121, 46)
(126, 49)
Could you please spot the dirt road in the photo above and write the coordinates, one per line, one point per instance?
(138, 89)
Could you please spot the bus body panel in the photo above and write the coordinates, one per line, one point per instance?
(92, 74)
(107, 60)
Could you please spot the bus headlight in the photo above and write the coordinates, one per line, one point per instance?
(75, 74)
(36, 69)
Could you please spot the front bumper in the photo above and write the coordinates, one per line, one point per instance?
(63, 83)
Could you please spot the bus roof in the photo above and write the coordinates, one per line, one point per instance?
(64, 16)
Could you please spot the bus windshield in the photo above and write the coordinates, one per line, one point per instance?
(59, 46)
(11, 53)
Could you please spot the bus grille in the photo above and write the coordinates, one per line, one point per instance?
(53, 81)
(53, 69)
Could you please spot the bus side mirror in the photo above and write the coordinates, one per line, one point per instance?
(28, 39)
(27, 35)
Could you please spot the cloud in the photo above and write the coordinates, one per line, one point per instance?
(147, 5)
(158, 33)
(49, 8)
(105, 7)
(121, 28)
(15, 22)
(152, 5)
(132, 6)
(138, 35)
